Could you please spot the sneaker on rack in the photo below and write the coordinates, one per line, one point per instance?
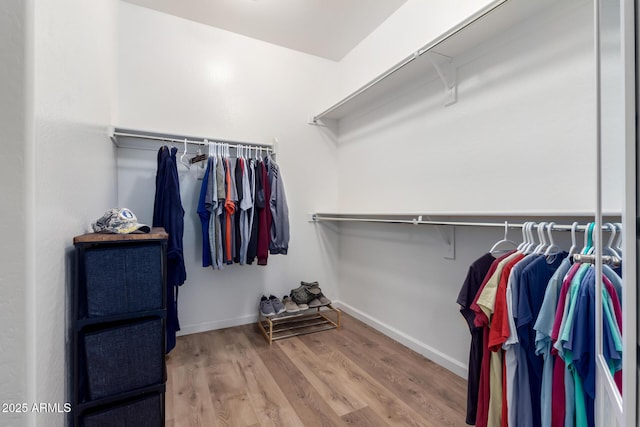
(323, 300)
(278, 306)
(301, 295)
(312, 287)
(315, 303)
(266, 308)
(291, 306)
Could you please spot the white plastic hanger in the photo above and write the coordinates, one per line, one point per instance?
(183, 158)
(609, 249)
(574, 246)
(505, 240)
(618, 244)
(527, 237)
(552, 248)
(532, 241)
(541, 237)
(524, 243)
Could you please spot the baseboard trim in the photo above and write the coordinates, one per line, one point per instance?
(429, 352)
(218, 324)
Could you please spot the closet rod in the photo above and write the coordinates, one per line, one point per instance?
(613, 261)
(177, 139)
(556, 227)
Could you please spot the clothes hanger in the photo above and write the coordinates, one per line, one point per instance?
(608, 249)
(611, 249)
(198, 154)
(505, 240)
(552, 246)
(539, 250)
(588, 239)
(574, 246)
(524, 243)
(183, 159)
(618, 245)
(532, 241)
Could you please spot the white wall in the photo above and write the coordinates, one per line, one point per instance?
(519, 138)
(70, 175)
(13, 106)
(410, 28)
(181, 77)
(524, 110)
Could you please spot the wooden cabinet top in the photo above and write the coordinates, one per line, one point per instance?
(157, 233)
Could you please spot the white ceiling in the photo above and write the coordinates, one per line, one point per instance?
(326, 28)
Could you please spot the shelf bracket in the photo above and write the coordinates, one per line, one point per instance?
(448, 74)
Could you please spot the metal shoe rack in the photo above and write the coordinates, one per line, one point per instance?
(308, 321)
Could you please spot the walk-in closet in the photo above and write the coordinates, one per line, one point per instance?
(319, 213)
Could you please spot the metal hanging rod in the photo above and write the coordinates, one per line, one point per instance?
(613, 261)
(117, 133)
(419, 221)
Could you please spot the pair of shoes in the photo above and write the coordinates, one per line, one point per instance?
(290, 305)
(319, 299)
(302, 295)
(271, 306)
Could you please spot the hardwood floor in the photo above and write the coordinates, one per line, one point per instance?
(351, 377)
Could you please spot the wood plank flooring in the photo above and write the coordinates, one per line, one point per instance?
(351, 377)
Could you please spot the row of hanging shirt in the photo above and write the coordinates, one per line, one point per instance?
(242, 207)
(531, 313)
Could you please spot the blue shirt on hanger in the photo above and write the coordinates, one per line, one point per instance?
(533, 284)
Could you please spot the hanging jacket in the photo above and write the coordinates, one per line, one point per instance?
(264, 226)
(279, 238)
(163, 155)
(258, 205)
(168, 213)
(205, 215)
(174, 223)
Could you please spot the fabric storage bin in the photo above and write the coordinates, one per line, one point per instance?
(123, 279)
(124, 357)
(145, 412)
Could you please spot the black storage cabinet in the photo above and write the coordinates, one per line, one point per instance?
(118, 330)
